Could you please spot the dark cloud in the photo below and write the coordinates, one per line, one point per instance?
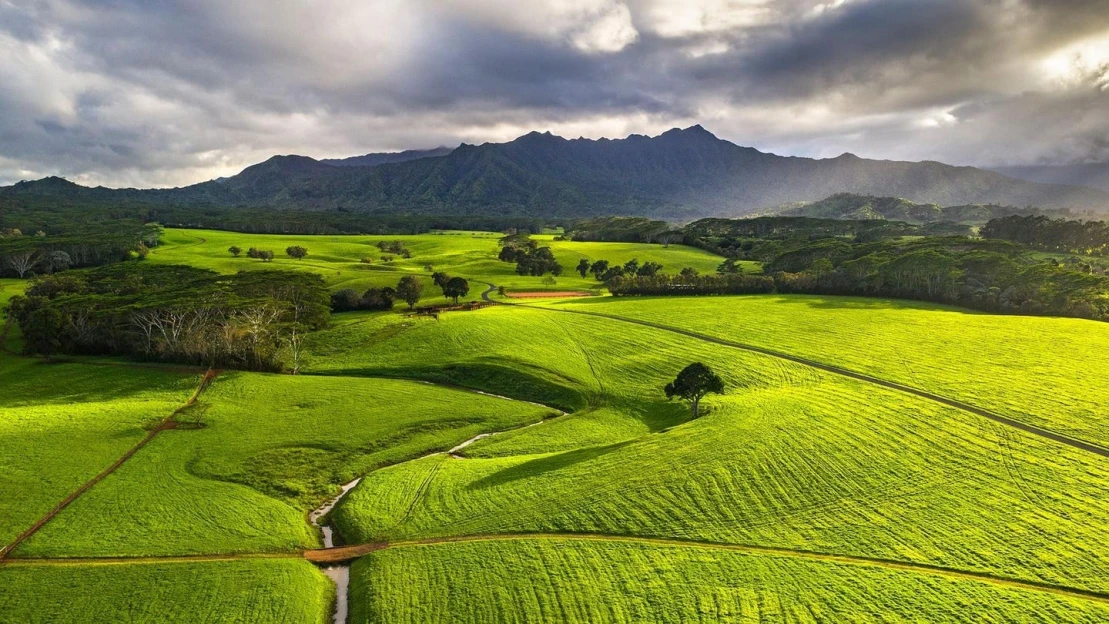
(130, 92)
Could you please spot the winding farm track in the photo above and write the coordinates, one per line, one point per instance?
(978, 411)
(166, 423)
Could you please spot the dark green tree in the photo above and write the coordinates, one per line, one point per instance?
(235, 250)
(456, 287)
(296, 251)
(693, 383)
(409, 289)
(583, 267)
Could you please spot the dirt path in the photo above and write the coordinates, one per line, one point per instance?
(166, 423)
(843, 372)
(347, 553)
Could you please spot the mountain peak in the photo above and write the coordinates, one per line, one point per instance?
(694, 132)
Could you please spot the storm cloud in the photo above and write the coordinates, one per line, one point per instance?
(138, 93)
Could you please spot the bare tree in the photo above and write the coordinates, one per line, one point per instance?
(22, 262)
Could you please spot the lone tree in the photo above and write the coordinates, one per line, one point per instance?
(409, 289)
(235, 250)
(583, 267)
(456, 287)
(296, 251)
(693, 383)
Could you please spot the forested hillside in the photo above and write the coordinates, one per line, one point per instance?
(680, 174)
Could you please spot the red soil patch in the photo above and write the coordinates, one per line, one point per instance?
(541, 294)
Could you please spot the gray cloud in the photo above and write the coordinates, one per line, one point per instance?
(127, 92)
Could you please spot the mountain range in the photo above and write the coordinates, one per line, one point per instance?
(1094, 175)
(680, 174)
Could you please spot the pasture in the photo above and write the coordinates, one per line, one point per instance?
(1049, 372)
(799, 494)
(472, 255)
(573, 580)
(268, 449)
(262, 591)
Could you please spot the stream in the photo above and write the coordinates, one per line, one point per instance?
(340, 573)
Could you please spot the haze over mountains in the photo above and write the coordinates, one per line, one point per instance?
(1093, 175)
(679, 174)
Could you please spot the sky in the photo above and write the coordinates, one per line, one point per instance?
(155, 93)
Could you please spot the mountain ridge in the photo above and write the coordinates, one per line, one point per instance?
(679, 174)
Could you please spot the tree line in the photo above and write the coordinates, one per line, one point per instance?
(409, 290)
(1088, 238)
(26, 255)
(252, 320)
(989, 275)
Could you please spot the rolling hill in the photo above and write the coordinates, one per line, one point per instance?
(679, 174)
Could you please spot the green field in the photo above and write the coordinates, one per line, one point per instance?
(61, 424)
(242, 592)
(799, 495)
(271, 448)
(472, 255)
(1047, 371)
(569, 580)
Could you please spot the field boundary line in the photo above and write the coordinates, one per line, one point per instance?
(164, 424)
(141, 559)
(347, 553)
(844, 372)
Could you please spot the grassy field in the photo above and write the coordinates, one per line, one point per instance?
(828, 471)
(609, 373)
(61, 424)
(472, 255)
(241, 592)
(834, 467)
(571, 580)
(271, 447)
(1047, 371)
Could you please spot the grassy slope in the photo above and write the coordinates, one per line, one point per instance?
(575, 581)
(61, 424)
(274, 446)
(470, 254)
(609, 372)
(1047, 371)
(790, 457)
(240, 592)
